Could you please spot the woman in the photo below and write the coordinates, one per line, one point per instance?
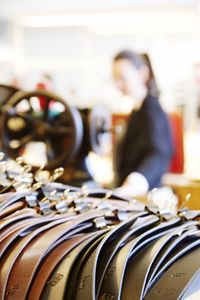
(146, 149)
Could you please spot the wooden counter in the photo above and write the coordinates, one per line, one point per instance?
(182, 186)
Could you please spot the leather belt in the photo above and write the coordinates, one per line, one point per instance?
(172, 285)
(11, 209)
(113, 279)
(51, 262)
(10, 198)
(37, 249)
(93, 270)
(16, 216)
(11, 257)
(66, 255)
(140, 265)
(62, 275)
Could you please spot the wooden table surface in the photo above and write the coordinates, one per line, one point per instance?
(182, 186)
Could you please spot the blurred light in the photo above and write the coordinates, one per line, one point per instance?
(97, 18)
(118, 23)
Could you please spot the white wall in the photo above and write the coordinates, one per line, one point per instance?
(77, 49)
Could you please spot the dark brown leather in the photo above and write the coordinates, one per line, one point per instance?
(30, 255)
(56, 286)
(14, 252)
(51, 262)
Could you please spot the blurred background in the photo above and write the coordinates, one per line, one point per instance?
(73, 43)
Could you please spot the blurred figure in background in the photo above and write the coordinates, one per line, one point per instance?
(150, 78)
(145, 151)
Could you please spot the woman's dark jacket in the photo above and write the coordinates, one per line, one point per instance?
(147, 145)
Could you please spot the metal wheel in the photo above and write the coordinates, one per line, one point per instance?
(40, 126)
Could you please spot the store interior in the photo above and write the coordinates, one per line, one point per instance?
(99, 149)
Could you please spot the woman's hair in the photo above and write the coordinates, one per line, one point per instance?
(131, 56)
(138, 61)
(151, 82)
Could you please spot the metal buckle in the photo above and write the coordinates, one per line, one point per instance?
(32, 199)
(100, 222)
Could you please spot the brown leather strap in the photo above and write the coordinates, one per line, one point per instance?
(51, 262)
(5, 197)
(55, 287)
(17, 216)
(12, 228)
(15, 250)
(12, 208)
(28, 225)
(30, 258)
(48, 239)
(10, 198)
(12, 236)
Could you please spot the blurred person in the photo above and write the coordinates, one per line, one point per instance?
(145, 150)
(150, 78)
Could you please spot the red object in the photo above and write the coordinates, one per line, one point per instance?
(42, 86)
(177, 162)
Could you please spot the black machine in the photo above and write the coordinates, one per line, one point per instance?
(41, 127)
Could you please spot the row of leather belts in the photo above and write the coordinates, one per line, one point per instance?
(59, 242)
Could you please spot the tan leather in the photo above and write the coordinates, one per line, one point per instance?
(11, 209)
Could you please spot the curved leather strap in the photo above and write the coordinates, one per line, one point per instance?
(176, 278)
(179, 251)
(14, 227)
(140, 264)
(164, 253)
(17, 216)
(192, 290)
(12, 208)
(94, 268)
(12, 198)
(56, 285)
(13, 253)
(113, 279)
(74, 282)
(40, 246)
(51, 262)
(140, 225)
(28, 226)
(5, 197)
(27, 263)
